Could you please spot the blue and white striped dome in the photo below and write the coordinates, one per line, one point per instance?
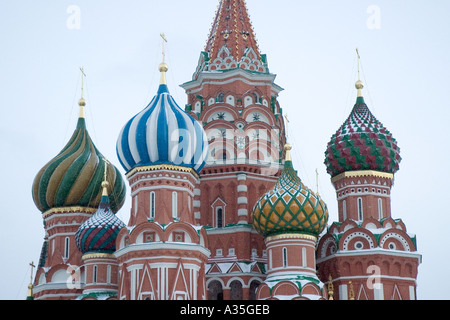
(163, 133)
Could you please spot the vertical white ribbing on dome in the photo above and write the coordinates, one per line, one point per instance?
(132, 137)
(120, 150)
(191, 137)
(152, 133)
(173, 133)
(205, 148)
(189, 141)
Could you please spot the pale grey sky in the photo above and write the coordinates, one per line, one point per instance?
(310, 45)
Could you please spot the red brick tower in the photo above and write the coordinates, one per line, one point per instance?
(290, 217)
(162, 253)
(67, 190)
(234, 96)
(367, 254)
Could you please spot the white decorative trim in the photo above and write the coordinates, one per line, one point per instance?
(242, 212)
(396, 236)
(242, 200)
(242, 188)
(356, 235)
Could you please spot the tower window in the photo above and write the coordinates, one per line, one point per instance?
(152, 204)
(344, 210)
(108, 274)
(360, 209)
(94, 280)
(380, 208)
(221, 97)
(66, 247)
(285, 257)
(219, 215)
(174, 204)
(304, 261)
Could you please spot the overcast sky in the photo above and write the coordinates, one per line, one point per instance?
(310, 45)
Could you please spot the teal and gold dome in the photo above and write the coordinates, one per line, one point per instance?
(290, 207)
(73, 178)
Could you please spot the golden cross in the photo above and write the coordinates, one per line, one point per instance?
(106, 167)
(287, 125)
(163, 36)
(83, 75)
(32, 266)
(317, 181)
(359, 58)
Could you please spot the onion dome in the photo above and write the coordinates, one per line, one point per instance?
(362, 143)
(290, 207)
(73, 177)
(162, 133)
(99, 232)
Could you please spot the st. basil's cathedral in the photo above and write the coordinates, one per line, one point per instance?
(218, 211)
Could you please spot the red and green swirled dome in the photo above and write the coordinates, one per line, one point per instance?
(73, 178)
(290, 207)
(362, 143)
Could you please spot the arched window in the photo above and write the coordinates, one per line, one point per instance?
(253, 287)
(256, 97)
(174, 204)
(219, 217)
(360, 209)
(215, 291)
(152, 205)
(221, 97)
(236, 290)
(380, 208)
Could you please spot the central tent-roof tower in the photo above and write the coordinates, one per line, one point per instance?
(232, 43)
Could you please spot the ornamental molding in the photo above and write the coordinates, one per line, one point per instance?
(291, 236)
(362, 173)
(169, 167)
(98, 255)
(68, 210)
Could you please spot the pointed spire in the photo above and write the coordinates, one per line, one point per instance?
(163, 66)
(82, 102)
(359, 84)
(231, 27)
(105, 183)
(330, 288)
(287, 146)
(30, 285)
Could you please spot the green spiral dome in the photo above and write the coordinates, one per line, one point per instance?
(73, 178)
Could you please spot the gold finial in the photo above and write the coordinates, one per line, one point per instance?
(330, 288)
(82, 102)
(352, 292)
(163, 66)
(105, 183)
(288, 148)
(30, 286)
(359, 84)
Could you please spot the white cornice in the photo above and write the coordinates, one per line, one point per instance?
(221, 78)
(375, 251)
